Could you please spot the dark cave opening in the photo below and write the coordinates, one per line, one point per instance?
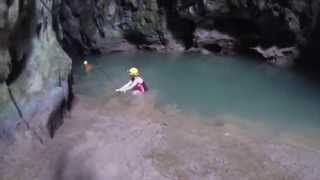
(310, 53)
(135, 37)
(181, 28)
(228, 24)
(213, 48)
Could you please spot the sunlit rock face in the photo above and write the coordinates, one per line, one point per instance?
(34, 70)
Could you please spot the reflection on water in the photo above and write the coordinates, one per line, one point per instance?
(231, 87)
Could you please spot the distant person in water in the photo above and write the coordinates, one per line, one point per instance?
(87, 66)
(136, 84)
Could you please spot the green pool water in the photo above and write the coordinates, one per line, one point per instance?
(243, 88)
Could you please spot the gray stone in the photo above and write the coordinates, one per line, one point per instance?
(40, 87)
(280, 56)
(215, 41)
(3, 14)
(9, 116)
(5, 63)
(13, 13)
(105, 23)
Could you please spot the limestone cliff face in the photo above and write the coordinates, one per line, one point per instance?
(219, 26)
(34, 70)
(112, 25)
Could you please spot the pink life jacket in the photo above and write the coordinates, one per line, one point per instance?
(141, 87)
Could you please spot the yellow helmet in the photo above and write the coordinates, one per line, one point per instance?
(133, 71)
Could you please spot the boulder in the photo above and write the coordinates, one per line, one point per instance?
(35, 71)
(215, 41)
(276, 55)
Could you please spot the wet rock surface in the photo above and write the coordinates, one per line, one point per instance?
(33, 67)
(215, 41)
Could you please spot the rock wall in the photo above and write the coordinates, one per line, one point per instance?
(34, 70)
(113, 25)
(310, 52)
(219, 26)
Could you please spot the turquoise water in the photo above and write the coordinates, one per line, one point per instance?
(213, 85)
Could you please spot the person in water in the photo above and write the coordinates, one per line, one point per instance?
(87, 66)
(136, 84)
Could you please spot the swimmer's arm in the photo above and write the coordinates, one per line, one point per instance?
(131, 85)
(124, 87)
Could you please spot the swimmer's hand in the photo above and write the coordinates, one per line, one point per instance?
(120, 91)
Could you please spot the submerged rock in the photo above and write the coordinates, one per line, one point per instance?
(280, 56)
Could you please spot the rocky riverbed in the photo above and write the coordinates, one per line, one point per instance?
(127, 139)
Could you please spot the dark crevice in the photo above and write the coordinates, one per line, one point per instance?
(73, 48)
(86, 40)
(38, 29)
(13, 100)
(228, 24)
(255, 32)
(135, 37)
(181, 28)
(98, 20)
(274, 30)
(213, 48)
(9, 2)
(70, 91)
(310, 53)
(17, 65)
(19, 111)
(56, 119)
(20, 42)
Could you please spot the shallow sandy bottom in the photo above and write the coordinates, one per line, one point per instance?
(124, 139)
